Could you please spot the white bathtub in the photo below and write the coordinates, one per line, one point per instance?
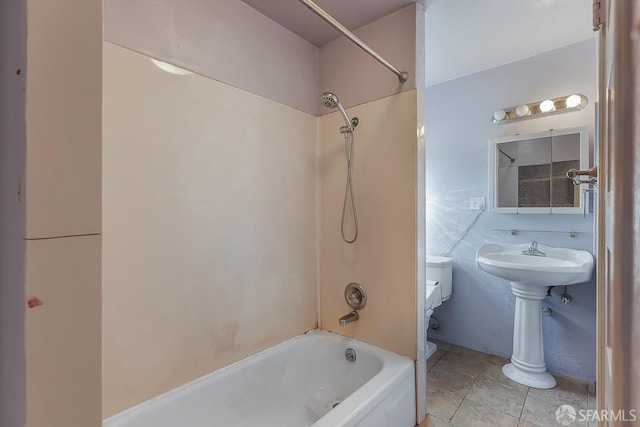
(294, 384)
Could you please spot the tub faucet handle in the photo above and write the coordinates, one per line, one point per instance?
(355, 296)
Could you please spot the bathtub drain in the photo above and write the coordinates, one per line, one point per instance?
(350, 355)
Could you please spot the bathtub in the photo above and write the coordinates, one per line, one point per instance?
(303, 382)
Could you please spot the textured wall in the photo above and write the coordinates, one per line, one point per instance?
(209, 217)
(63, 209)
(223, 39)
(458, 126)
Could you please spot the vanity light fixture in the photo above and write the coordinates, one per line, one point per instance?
(547, 105)
(573, 101)
(531, 110)
(523, 110)
(500, 115)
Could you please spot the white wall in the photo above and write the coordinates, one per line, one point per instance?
(13, 50)
(209, 226)
(355, 76)
(223, 39)
(479, 314)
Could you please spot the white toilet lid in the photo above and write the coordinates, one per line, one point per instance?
(433, 295)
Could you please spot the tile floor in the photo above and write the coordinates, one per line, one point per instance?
(466, 388)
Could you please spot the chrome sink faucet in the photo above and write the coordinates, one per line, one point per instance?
(533, 250)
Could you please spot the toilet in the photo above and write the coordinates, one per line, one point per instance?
(438, 290)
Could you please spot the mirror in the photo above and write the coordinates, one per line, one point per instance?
(527, 173)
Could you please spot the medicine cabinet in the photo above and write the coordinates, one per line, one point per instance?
(527, 173)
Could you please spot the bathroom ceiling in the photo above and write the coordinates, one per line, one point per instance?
(462, 36)
(467, 36)
(352, 14)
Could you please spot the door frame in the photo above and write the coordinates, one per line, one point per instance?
(618, 210)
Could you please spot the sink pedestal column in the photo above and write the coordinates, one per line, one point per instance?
(527, 362)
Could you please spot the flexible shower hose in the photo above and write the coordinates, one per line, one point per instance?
(348, 191)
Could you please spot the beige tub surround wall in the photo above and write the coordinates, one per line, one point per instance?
(13, 45)
(355, 76)
(209, 251)
(383, 259)
(385, 175)
(223, 39)
(63, 199)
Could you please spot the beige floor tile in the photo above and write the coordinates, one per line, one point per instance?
(467, 388)
(464, 350)
(472, 414)
(567, 392)
(441, 378)
(442, 404)
(504, 398)
(543, 412)
(441, 345)
(432, 421)
(492, 371)
(435, 357)
(471, 362)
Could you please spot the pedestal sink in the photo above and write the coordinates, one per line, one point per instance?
(532, 268)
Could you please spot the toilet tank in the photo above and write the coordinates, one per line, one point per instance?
(439, 270)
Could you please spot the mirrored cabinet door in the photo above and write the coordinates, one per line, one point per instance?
(527, 173)
(565, 155)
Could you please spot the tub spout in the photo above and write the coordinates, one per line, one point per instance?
(348, 318)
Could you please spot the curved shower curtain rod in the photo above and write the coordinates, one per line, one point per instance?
(403, 76)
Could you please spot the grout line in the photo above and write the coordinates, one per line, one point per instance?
(524, 403)
(61, 237)
(456, 411)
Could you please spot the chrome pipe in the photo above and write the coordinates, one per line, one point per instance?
(403, 76)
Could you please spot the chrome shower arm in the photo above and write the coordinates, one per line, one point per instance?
(346, 118)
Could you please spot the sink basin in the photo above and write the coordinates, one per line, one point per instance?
(530, 275)
(559, 267)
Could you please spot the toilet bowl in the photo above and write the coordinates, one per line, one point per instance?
(438, 290)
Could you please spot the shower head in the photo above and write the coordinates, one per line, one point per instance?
(330, 100)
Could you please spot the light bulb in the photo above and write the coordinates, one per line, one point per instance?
(499, 115)
(547, 105)
(522, 110)
(573, 101)
(169, 68)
